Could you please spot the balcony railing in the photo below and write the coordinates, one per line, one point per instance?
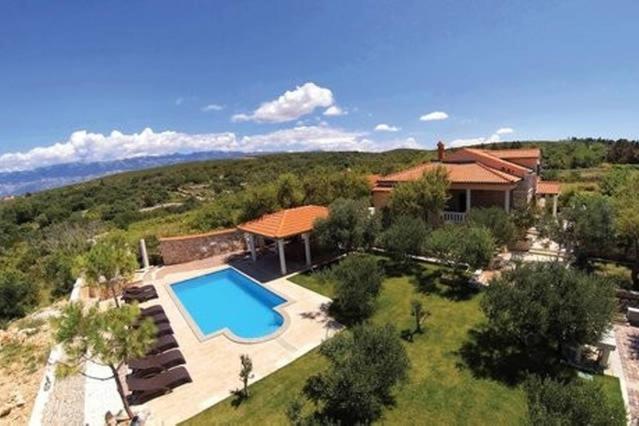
(454, 217)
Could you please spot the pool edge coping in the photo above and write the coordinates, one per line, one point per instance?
(227, 332)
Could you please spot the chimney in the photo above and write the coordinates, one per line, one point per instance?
(440, 151)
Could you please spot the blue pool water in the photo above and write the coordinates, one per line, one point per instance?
(229, 299)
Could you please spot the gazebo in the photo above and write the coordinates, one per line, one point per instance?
(283, 225)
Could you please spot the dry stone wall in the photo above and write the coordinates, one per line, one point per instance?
(194, 247)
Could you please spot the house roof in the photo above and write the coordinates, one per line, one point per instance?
(286, 223)
(548, 187)
(507, 154)
(457, 173)
(372, 179)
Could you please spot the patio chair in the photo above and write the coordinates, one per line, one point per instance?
(145, 389)
(155, 364)
(163, 343)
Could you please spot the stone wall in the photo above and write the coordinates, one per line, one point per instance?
(194, 247)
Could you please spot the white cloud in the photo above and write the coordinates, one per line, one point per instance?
(434, 116)
(85, 147)
(291, 105)
(383, 127)
(494, 138)
(212, 107)
(505, 131)
(334, 110)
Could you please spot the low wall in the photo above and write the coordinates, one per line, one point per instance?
(194, 247)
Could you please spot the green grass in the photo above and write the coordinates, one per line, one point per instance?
(439, 390)
(612, 388)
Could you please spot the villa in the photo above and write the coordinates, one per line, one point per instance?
(507, 178)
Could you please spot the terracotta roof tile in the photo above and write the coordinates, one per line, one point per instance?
(457, 173)
(548, 187)
(514, 153)
(286, 223)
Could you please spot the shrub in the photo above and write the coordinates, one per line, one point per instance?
(497, 221)
(358, 280)
(579, 402)
(348, 227)
(548, 307)
(365, 366)
(459, 245)
(406, 236)
(17, 294)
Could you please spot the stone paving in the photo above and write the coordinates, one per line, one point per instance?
(627, 338)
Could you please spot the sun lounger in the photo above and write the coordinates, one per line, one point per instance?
(138, 290)
(163, 343)
(140, 298)
(152, 310)
(145, 389)
(158, 318)
(154, 364)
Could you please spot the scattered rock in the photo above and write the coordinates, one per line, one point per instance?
(18, 399)
(5, 410)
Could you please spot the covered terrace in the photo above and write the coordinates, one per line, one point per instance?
(282, 227)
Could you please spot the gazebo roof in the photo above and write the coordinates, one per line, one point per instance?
(286, 223)
(548, 187)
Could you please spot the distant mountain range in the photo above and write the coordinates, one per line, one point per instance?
(17, 183)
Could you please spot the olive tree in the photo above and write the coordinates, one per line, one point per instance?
(424, 198)
(111, 337)
(349, 226)
(547, 307)
(365, 365)
(406, 236)
(358, 280)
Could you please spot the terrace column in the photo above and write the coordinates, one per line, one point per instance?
(280, 248)
(144, 254)
(468, 198)
(554, 204)
(307, 247)
(251, 244)
(507, 201)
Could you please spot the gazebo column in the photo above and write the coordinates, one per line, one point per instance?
(307, 247)
(468, 198)
(507, 200)
(251, 241)
(280, 248)
(554, 204)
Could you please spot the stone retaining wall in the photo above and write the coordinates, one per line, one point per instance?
(194, 247)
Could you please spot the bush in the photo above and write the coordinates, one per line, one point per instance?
(579, 402)
(497, 221)
(406, 236)
(548, 307)
(457, 244)
(348, 227)
(365, 366)
(17, 294)
(358, 282)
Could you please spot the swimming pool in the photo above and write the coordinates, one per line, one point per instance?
(228, 300)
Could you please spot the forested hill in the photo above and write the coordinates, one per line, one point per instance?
(42, 234)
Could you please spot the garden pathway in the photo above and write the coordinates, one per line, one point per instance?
(627, 338)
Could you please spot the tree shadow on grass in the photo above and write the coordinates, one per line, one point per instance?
(488, 354)
(398, 268)
(444, 283)
(238, 398)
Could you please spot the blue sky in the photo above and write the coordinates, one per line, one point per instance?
(73, 72)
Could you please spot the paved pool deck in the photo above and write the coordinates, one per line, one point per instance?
(214, 364)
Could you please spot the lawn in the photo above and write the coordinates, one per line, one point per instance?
(440, 389)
